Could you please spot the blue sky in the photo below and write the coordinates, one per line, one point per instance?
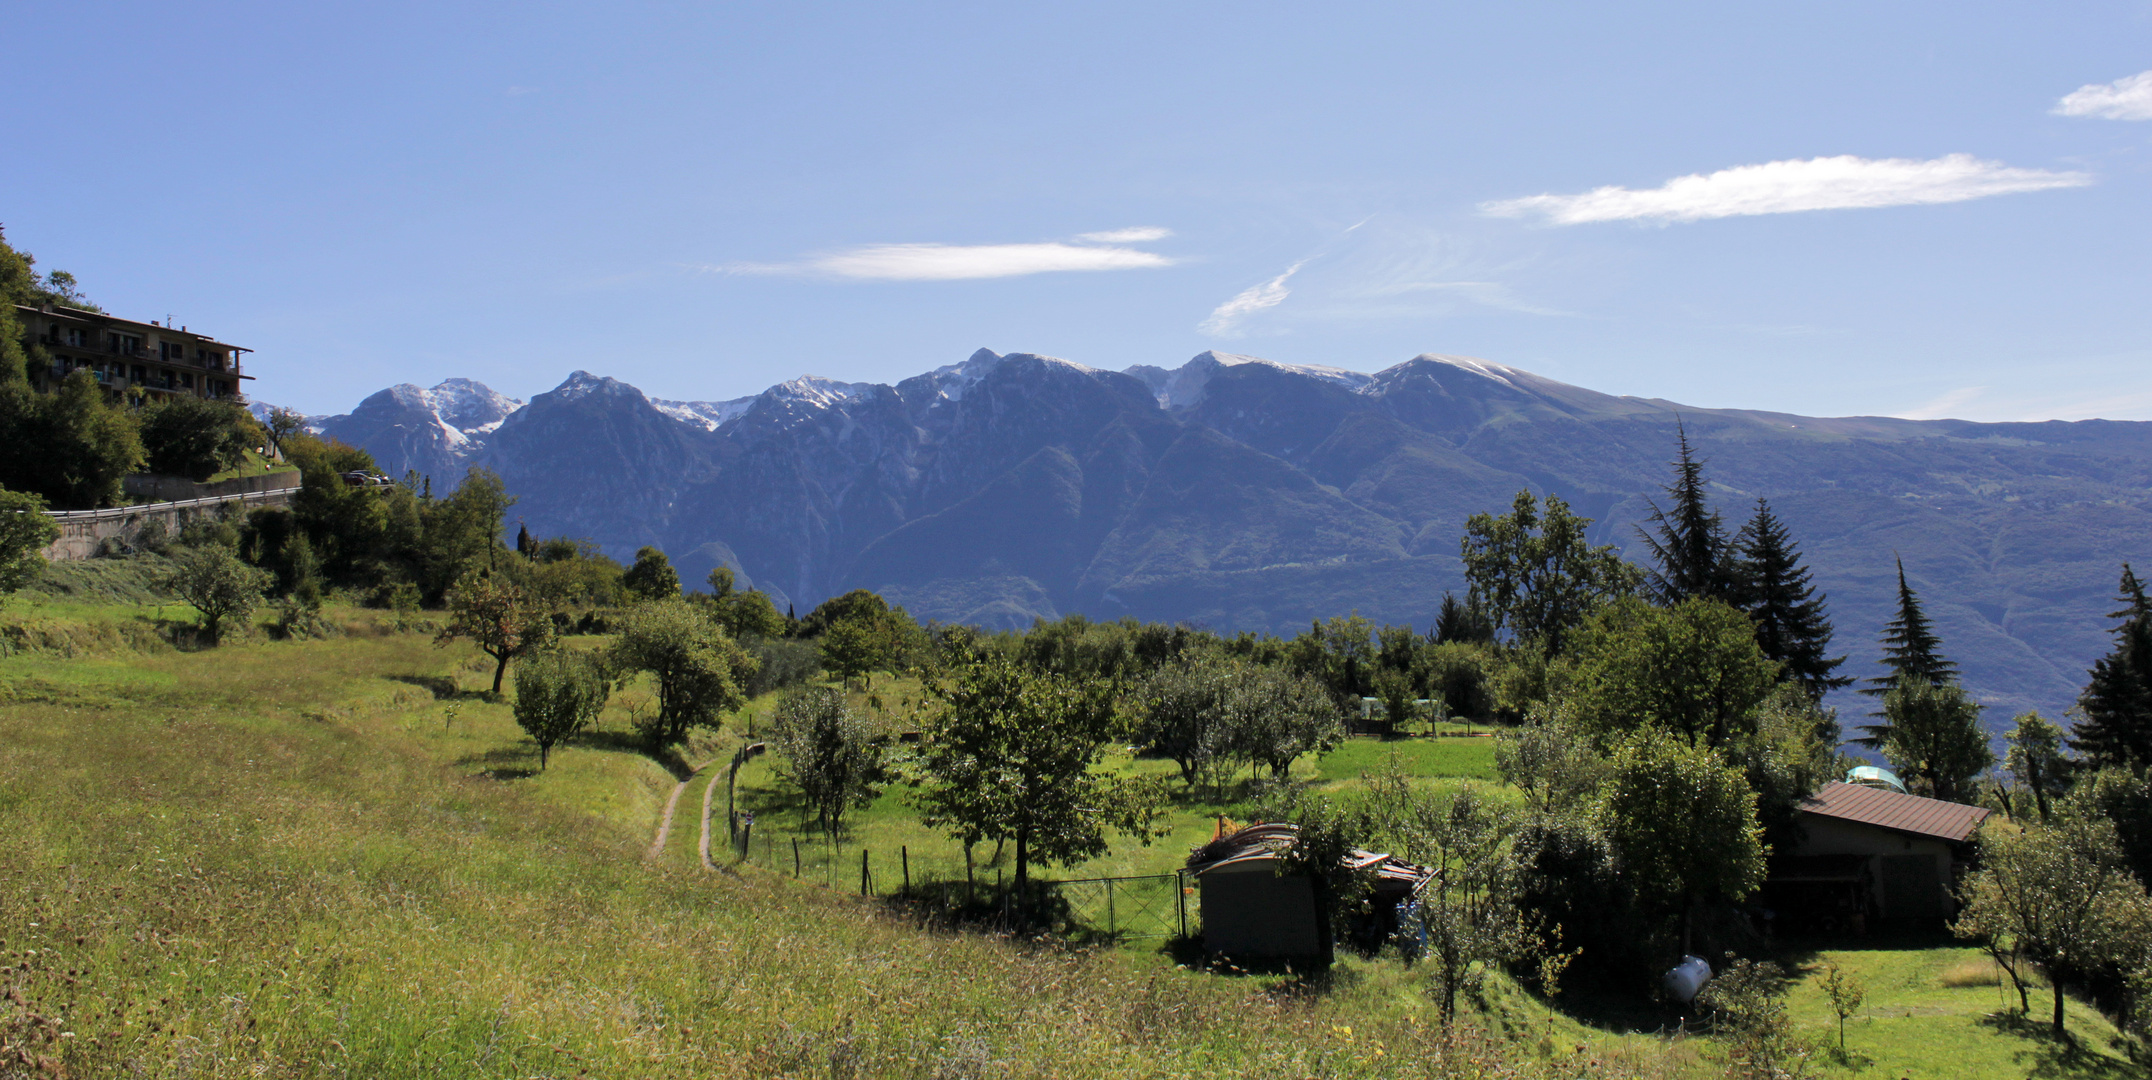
(1911, 209)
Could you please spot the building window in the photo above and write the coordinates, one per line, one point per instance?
(74, 337)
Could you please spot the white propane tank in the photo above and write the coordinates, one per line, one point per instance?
(1687, 978)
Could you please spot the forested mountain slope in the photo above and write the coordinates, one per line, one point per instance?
(1244, 494)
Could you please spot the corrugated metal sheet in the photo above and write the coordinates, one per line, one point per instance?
(1265, 842)
(1892, 810)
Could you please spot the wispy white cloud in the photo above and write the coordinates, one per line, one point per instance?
(1492, 294)
(1784, 187)
(1138, 235)
(2124, 99)
(962, 262)
(1225, 319)
(1943, 406)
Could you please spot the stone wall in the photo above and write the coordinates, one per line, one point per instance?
(181, 489)
(83, 531)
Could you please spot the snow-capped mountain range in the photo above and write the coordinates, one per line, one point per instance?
(1247, 494)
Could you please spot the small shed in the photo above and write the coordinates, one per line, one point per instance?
(1252, 912)
(1870, 853)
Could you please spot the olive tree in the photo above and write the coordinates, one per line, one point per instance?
(831, 752)
(557, 695)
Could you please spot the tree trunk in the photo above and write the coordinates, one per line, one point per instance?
(2056, 981)
(500, 668)
(544, 750)
(1023, 873)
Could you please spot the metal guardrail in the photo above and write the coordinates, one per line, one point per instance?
(160, 507)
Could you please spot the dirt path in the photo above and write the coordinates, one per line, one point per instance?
(708, 791)
(657, 846)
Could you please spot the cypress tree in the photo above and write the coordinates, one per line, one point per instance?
(1687, 539)
(1774, 588)
(2117, 703)
(1910, 646)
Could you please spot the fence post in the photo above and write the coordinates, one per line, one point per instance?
(1180, 901)
(904, 852)
(862, 871)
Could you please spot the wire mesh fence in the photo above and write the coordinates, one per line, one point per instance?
(1121, 908)
(1142, 907)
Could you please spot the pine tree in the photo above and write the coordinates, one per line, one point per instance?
(2117, 703)
(1910, 646)
(1461, 621)
(1774, 588)
(1690, 544)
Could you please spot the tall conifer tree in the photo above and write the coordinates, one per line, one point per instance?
(2117, 703)
(1687, 540)
(1910, 646)
(1792, 626)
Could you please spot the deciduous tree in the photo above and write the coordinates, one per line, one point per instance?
(216, 583)
(1276, 716)
(25, 531)
(1693, 669)
(196, 438)
(1682, 823)
(2059, 892)
(831, 752)
(1015, 756)
(2037, 760)
(557, 694)
(1931, 734)
(1533, 574)
(504, 621)
(652, 577)
(699, 671)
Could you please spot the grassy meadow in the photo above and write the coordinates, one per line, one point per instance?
(337, 858)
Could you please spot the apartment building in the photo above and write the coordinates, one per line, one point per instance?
(128, 355)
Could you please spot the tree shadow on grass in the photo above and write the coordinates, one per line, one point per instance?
(513, 762)
(443, 687)
(628, 742)
(2051, 1058)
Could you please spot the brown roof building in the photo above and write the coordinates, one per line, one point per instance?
(127, 355)
(1870, 853)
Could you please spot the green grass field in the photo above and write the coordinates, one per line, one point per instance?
(334, 858)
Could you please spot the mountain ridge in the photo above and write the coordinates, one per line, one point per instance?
(1249, 494)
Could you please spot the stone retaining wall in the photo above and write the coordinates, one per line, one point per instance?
(83, 531)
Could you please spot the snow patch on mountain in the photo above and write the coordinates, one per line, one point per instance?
(707, 415)
(1182, 387)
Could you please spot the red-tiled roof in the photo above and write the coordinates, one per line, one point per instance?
(1888, 809)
